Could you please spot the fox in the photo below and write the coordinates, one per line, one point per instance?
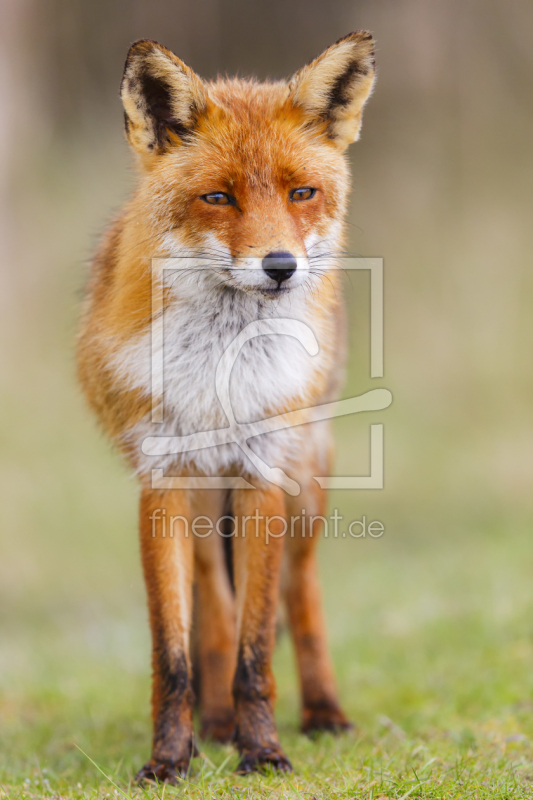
(241, 194)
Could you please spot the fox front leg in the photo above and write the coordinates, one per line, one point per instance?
(257, 561)
(167, 558)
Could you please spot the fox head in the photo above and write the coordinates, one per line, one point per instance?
(250, 176)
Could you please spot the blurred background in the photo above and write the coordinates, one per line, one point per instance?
(442, 191)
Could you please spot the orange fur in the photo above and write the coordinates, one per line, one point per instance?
(256, 144)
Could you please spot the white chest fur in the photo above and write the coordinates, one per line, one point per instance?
(271, 374)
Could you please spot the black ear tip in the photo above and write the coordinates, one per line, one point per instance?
(143, 45)
(358, 37)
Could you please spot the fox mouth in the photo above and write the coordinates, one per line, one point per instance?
(269, 292)
(276, 291)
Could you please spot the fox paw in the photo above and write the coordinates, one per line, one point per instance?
(219, 728)
(256, 760)
(163, 772)
(325, 719)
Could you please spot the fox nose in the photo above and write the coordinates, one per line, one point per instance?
(279, 266)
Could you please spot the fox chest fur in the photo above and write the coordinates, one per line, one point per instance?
(271, 373)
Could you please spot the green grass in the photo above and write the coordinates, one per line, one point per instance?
(434, 661)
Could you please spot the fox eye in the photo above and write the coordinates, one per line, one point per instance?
(306, 193)
(218, 199)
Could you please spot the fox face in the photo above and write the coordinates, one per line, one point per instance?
(251, 177)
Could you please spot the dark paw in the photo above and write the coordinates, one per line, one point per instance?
(163, 772)
(219, 728)
(325, 719)
(256, 760)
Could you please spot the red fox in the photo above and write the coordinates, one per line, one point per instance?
(243, 186)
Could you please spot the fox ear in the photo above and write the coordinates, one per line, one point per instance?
(334, 88)
(162, 98)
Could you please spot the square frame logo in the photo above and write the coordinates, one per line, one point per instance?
(241, 433)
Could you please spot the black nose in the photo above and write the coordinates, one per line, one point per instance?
(279, 266)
